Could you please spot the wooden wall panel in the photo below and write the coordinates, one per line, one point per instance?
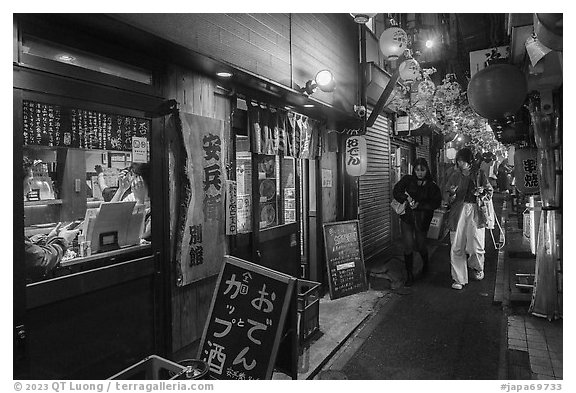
(190, 304)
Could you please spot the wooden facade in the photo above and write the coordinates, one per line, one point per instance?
(287, 49)
(280, 50)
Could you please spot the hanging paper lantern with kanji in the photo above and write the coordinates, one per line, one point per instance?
(497, 91)
(393, 42)
(409, 70)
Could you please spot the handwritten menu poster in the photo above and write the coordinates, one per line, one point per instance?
(344, 259)
(244, 328)
(55, 125)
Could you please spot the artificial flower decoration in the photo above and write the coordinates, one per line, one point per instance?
(445, 108)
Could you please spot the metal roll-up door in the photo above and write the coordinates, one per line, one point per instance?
(374, 190)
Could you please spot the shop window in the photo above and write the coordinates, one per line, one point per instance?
(86, 176)
(276, 190)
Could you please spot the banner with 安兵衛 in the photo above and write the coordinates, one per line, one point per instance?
(201, 233)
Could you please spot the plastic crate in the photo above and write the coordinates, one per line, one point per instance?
(152, 367)
(308, 308)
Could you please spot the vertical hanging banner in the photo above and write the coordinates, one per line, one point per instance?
(526, 171)
(201, 248)
(356, 155)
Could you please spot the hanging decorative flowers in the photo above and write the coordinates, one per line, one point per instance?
(445, 107)
(393, 41)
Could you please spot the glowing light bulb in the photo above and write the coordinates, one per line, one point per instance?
(429, 43)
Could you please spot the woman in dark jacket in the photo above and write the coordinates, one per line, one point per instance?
(423, 196)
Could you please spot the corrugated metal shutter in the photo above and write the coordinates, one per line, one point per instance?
(374, 190)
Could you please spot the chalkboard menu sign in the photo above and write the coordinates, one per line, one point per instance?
(246, 320)
(344, 258)
(56, 125)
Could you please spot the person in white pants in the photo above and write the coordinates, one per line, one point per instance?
(467, 232)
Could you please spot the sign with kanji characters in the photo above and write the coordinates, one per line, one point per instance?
(344, 258)
(356, 155)
(56, 125)
(231, 201)
(201, 247)
(526, 170)
(246, 320)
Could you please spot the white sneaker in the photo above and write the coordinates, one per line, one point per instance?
(457, 286)
(478, 275)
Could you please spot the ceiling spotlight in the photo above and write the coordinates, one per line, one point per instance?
(429, 44)
(324, 80)
(224, 74)
(66, 58)
(362, 18)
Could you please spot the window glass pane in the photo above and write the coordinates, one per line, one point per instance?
(85, 177)
(48, 50)
(244, 185)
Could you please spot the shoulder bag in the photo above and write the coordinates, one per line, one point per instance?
(399, 208)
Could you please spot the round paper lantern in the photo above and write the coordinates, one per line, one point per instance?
(449, 136)
(497, 91)
(548, 29)
(393, 41)
(409, 70)
(450, 153)
(426, 88)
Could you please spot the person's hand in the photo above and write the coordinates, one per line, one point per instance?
(54, 231)
(124, 179)
(39, 238)
(139, 189)
(68, 235)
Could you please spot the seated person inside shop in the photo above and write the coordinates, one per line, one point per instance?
(133, 185)
(43, 253)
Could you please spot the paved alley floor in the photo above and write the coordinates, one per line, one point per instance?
(432, 331)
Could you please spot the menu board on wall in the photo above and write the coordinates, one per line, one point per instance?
(55, 125)
(344, 258)
(246, 320)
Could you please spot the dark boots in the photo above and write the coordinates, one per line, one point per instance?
(409, 262)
